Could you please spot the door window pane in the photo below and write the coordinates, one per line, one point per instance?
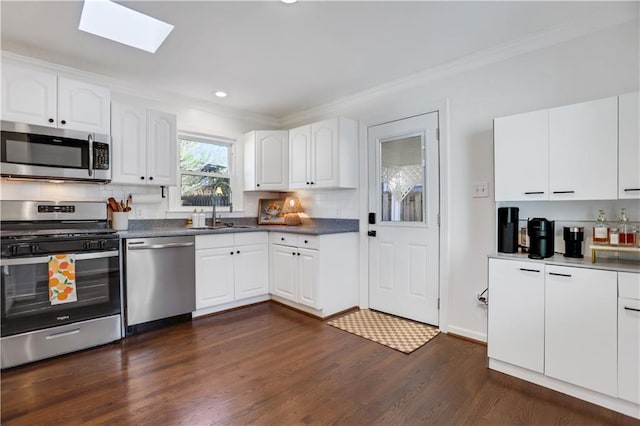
(402, 180)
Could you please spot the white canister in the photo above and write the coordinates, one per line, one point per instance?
(120, 221)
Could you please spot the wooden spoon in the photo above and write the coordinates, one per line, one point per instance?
(113, 204)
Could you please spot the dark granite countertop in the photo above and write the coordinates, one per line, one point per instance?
(173, 227)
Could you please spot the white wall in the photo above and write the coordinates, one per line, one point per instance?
(590, 67)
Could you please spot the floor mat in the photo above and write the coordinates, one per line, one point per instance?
(397, 333)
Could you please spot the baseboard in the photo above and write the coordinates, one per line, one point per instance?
(237, 304)
(469, 334)
(468, 339)
(615, 404)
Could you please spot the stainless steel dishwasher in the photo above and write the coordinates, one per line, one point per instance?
(160, 281)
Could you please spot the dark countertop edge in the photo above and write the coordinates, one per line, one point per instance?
(172, 232)
(560, 260)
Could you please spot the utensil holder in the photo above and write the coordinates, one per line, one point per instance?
(120, 221)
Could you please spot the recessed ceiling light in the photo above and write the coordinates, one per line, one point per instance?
(221, 94)
(289, 1)
(118, 23)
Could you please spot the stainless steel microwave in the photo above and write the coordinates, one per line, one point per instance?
(38, 152)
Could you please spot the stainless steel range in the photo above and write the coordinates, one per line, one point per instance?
(33, 327)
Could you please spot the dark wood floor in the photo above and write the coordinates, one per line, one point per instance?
(269, 365)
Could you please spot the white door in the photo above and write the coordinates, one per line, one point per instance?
(324, 154)
(272, 162)
(251, 269)
(404, 196)
(83, 106)
(29, 96)
(629, 145)
(300, 157)
(129, 149)
(162, 148)
(583, 151)
(214, 277)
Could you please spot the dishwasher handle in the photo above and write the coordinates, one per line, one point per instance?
(159, 246)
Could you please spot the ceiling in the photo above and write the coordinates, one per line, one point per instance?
(277, 59)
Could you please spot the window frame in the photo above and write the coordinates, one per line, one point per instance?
(175, 192)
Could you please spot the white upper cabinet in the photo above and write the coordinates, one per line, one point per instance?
(629, 146)
(29, 96)
(583, 151)
(324, 155)
(300, 157)
(83, 106)
(39, 97)
(161, 148)
(522, 156)
(144, 146)
(266, 160)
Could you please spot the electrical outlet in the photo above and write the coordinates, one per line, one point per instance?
(480, 189)
(139, 212)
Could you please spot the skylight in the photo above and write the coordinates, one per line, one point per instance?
(123, 25)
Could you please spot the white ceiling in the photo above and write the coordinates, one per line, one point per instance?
(277, 59)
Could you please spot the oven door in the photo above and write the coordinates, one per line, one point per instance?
(25, 292)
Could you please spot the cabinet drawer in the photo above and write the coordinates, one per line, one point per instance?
(284, 239)
(629, 285)
(247, 238)
(213, 241)
(309, 241)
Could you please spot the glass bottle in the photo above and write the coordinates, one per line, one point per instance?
(601, 230)
(614, 237)
(627, 236)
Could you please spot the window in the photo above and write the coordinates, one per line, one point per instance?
(205, 172)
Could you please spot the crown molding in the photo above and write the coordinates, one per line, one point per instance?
(556, 35)
(145, 92)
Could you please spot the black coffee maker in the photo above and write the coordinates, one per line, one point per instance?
(541, 238)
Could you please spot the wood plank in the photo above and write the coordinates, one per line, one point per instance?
(267, 364)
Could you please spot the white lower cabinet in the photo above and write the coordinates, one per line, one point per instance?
(317, 274)
(581, 327)
(230, 267)
(629, 337)
(516, 314)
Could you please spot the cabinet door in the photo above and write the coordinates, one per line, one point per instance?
(29, 96)
(629, 146)
(251, 271)
(324, 154)
(214, 277)
(521, 150)
(581, 327)
(83, 106)
(308, 277)
(516, 313)
(299, 157)
(272, 159)
(629, 349)
(161, 148)
(283, 271)
(583, 151)
(129, 143)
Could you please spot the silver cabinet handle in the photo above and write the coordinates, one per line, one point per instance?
(560, 275)
(90, 154)
(160, 246)
(529, 270)
(626, 308)
(63, 333)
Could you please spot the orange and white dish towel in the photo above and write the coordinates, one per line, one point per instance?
(62, 279)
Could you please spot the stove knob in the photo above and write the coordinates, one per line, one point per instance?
(34, 248)
(13, 250)
(86, 245)
(102, 244)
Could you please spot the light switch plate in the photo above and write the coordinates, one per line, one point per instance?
(480, 190)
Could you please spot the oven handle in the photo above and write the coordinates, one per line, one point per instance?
(90, 154)
(45, 259)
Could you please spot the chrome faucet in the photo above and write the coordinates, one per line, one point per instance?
(213, 201)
